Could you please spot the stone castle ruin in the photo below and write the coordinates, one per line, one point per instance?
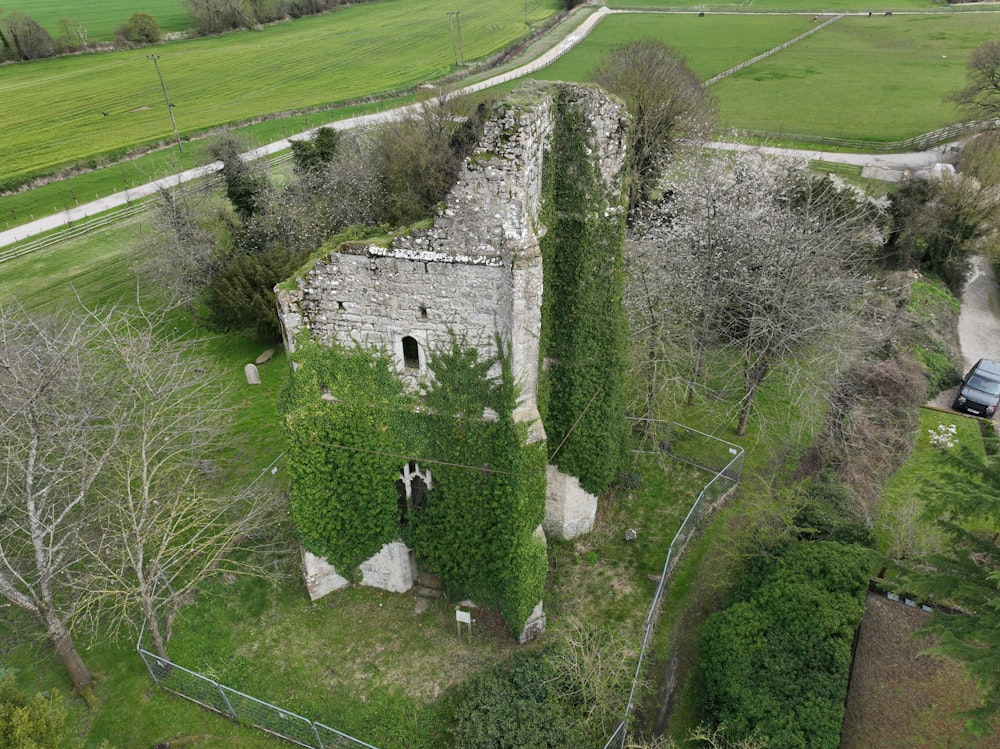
(477, 273)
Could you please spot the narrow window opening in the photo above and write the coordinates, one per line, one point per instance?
(411, 353)
(412, 487)
(423, 313)
(340, 305)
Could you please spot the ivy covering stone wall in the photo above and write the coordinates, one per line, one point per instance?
(584, 331)
(350, 428)
(542, 196)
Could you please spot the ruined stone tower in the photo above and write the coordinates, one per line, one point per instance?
(478, 273)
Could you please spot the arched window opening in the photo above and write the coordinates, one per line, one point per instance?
(411, 492)
(411, 353)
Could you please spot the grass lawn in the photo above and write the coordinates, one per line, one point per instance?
(709, 45)
(363, 661)
(53, 109)
(900, 529)
(101, 17)
(868, 78)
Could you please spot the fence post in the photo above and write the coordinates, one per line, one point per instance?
(225, 699)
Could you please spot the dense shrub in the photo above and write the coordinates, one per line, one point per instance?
(315, 153)
(776, 663)
(23, 38)
(512, 707)
(141, 28)
(28, 722)
(938, 225)
(826, 514)
(247, 185)
(416, 165)
(241, 297)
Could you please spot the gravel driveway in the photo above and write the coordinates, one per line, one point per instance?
(978, 323)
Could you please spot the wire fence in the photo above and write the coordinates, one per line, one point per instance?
(239, 706)
(674, 441)
(917, 143)
(724, 461)
(243, 708)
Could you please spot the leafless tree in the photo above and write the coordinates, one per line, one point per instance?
(216, 16)
(981, 96)
(666, 101)
(184, 252)
(595, 666)
(60, 424)
(768, 259)
(168, 522)
(105, 424)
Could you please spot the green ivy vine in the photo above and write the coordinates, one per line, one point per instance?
(584, 333)
(475, 526)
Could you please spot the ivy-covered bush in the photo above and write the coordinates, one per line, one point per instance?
(776, 663)
(584, 332)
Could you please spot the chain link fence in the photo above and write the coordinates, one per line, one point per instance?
(724, 461)
(243, 708)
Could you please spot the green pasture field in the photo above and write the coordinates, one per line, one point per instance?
(60, 195)
(101, 17)
(791, 6)
(709, 45)
(52, 113)
(878, 79)
(874, 78)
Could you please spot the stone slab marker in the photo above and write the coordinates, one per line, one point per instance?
(253, 376)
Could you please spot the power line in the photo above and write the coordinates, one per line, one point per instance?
(485, 468)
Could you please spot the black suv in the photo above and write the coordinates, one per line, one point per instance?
(979, 393)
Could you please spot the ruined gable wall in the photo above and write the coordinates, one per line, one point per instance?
(478, 270)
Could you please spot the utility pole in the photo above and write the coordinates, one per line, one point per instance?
(458, 26)
(451, 19)
(170, 107)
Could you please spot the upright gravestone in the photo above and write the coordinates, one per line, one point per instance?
(253, 376)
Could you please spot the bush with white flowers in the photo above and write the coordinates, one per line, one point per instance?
(942, 436)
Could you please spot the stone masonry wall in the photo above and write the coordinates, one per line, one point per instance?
(476, 273)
